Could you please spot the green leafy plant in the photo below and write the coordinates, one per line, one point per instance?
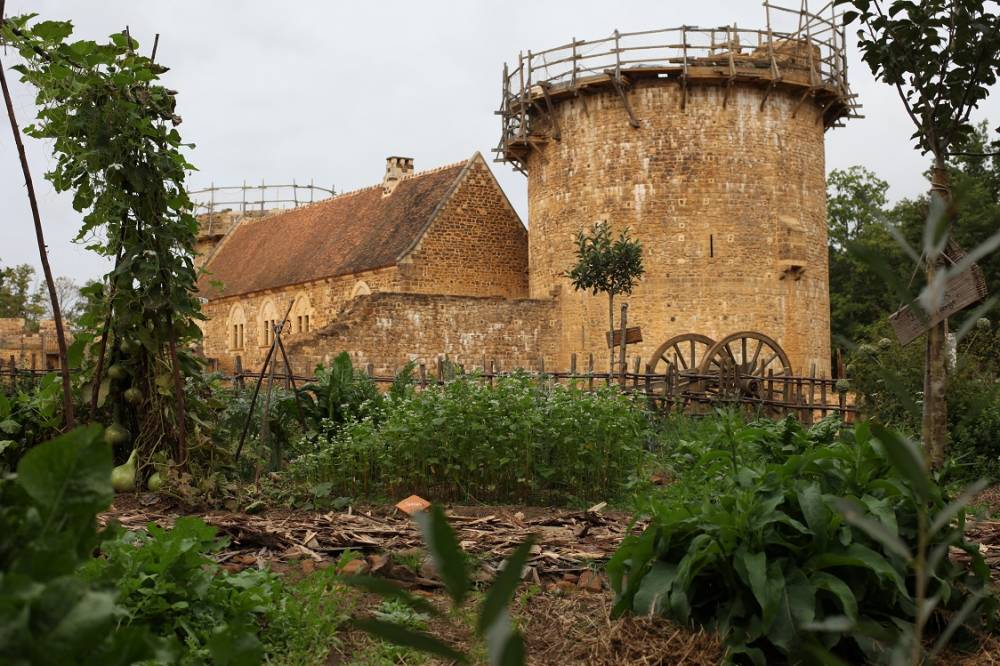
(49, 614)
(167, 582)
(514, 441)
(606, 266)
(340, 394)
(768, 556)
(116, 148)
(505, 646)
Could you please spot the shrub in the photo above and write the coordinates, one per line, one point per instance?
(766, 555)
(515, 441)
(48, 613)
(888, 379)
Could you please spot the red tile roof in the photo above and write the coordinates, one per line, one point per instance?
(349, 233)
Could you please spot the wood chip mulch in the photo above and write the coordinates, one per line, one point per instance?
(565, 541)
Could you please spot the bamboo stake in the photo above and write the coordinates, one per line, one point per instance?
(69, 418)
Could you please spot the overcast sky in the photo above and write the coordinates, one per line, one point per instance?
(326, 90)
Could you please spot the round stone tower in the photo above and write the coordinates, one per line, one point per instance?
(708, 146)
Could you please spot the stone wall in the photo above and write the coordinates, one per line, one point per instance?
(319, 301)
(389, 329)
(476, 245)
(729, 202)
(38, 350)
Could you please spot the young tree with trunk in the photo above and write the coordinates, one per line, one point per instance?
(941, 56)
(112, 125)
(606, 266)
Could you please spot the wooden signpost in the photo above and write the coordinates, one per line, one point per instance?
(961, 291)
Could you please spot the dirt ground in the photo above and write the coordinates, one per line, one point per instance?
(563, 607)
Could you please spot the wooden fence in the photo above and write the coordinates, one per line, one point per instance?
(807, 397)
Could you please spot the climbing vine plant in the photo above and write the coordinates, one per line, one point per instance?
(117, 149)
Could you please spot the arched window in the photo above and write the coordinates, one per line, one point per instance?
(267, 320)
(361, 289)
(236, 327)
(303, 316)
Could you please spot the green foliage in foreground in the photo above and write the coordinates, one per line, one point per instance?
(467, 441)
(153, 596)
(504, 645)
(793, 542)
(888, 380)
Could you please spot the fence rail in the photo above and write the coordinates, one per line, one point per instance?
(808, 398)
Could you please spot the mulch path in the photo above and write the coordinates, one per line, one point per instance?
(564, 619)
(565, 541)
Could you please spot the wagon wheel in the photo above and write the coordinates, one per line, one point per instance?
(679, 359)
(745, 363)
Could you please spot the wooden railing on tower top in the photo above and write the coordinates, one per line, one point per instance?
(812, 58)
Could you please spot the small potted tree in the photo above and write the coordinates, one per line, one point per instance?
(606, 266)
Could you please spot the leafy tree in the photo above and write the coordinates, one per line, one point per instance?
(71, 300)
(606, 266)
(857, 215)
(940, 55)
(116, 148)
(17, 298)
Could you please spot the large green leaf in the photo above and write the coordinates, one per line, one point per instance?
(752, 568)
(857, 555)
(654, 589)
(406, 637)
(906, 458)
(69, 476)
(445, 551)
(822, 580)
(500, 593)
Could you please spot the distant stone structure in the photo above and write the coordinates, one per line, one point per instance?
(444, 243)
(707, 144)
(28, 349)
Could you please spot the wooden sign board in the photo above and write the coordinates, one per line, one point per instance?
(632, 336)
(961, 291)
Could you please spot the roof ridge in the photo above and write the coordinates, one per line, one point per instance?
(343, 195)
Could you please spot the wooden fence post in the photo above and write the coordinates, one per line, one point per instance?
(590, 373)
(822, 394)
(622, 358)
(423, 375)
(440, 370)
(238, 373)
(812, 390)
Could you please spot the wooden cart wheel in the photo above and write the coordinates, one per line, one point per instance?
(679, 358)
(744, 363)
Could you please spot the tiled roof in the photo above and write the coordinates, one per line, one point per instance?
(349, 233)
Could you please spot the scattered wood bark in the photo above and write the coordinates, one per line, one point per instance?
(565, 541)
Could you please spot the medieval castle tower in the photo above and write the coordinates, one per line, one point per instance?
(707, 144)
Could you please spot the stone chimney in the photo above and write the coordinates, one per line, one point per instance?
(396, 168)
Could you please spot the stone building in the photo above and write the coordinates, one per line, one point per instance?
(712, 156)
(421, 264)
(28, 349)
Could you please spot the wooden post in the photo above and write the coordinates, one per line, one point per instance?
(812, 389)
(590, 373)
(648, 385)
(423, 375)
(493, 371)
(822, 395)
(624, 319)
(370, 370)
(636, 364)
(770, 384)
(799, 399)
(238, 373)
(572, 369)
(440, 370)
(13, 373)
